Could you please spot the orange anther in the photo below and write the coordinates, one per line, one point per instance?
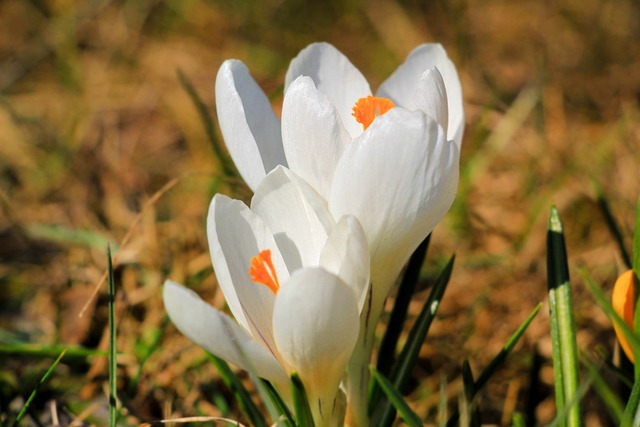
(370, 107)
(262, 271)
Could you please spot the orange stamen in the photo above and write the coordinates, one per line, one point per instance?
(370, 107)
(262, 271)
(623, 302)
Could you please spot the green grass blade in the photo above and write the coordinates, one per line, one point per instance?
(300, 403)
(239, 392)
(608, 396)
(410, 418)
(113, 352)
(403, 368)
(286, 417)
(469, 394)
(517, 420)
(33, 394)
(228, 168)
(34, 350)
(606, 306)
(497, 361)
(65, 235)
(406, 289)
(442, 403)
(147, 350)
(563, 335)
(631, 416)
(612, 224)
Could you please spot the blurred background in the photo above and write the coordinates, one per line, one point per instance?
(100, 142)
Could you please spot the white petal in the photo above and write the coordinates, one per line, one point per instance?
(250, 128)
(335, 76)
(236, 235)
(296, 215)
(217, 333)
(400, 86)
(398, 179)
(312, 134)
(346, 254)
(316, 324)
(431, 97)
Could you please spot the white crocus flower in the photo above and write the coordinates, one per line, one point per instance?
(252, 131)
(294, 280)
(392, 161)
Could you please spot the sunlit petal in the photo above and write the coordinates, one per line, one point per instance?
(346, 254)
(315, 321)
(313, 135)
(405, 176)
(335, 76)
(250, 128)
(217, 333)
(431, 97)
(236, 235)
(401, 85)
(295, 214)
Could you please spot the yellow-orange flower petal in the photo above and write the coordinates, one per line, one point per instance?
(623, 302)
(370, 107)
(262, 271)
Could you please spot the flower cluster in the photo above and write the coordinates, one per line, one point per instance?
(346, 185)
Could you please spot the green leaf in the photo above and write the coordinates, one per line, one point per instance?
(606, 306)
(398, 315)
(469, 394)
(612, 224)
(33, 394)
(497, 361)
(608, 396)
(442, 404)
(396, 399)
(35, 350)
(285, 413)
(563, 335)
(228, 168)
(300, 402)
(631, 416)
(407, 360)
(66, 235)
(113, 351)
(239, 392)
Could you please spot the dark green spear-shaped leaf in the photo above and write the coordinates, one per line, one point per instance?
(401, 305)
(563, 334)
(239, 392)
(33, 394)
(600, 385)
(612, 224)
(285, 413)
(497, 361)
(410, 418)
(407, 360)
(396, 321)
(301, 408)
(113, 351)
(469, 394)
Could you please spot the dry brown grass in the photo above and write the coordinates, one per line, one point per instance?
(94, 124)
